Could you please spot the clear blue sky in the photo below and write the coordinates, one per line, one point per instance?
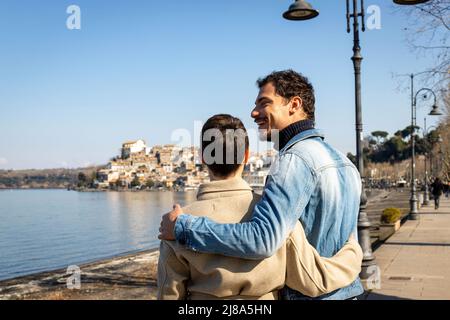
(141, 69)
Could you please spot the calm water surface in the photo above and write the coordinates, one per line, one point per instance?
(43, 230)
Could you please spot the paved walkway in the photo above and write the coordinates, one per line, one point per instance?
(415, 262)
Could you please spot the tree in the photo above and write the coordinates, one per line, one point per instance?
(150, 183)
(352, 158)
(428, 35)
(393, 149)
(396, 149)
(405, 133)
(379, 136)
(82, 177)
(135, 182)
(82, 180)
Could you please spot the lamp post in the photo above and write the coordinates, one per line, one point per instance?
(363, 221)
(414, 211)
(302, 10)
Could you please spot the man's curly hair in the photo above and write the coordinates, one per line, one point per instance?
(289, 84)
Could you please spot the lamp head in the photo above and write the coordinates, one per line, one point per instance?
(410, 2)
(300, 10)
(435, 111)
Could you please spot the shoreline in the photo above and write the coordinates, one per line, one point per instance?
(129, 276)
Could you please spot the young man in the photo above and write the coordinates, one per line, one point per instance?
(183, 274)
(313, 183)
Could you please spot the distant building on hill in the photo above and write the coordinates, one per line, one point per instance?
(131, 147)
(162, 166)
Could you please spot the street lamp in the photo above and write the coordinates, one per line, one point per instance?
(414, 211)
(300, 10)
(435, 111)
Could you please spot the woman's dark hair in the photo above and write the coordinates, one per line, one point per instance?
(289, 84)
(224, 141)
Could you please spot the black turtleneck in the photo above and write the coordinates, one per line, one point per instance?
(294, 129)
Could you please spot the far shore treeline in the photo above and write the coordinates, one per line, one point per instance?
(45, 178)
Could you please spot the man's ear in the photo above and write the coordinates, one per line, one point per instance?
(296, 105)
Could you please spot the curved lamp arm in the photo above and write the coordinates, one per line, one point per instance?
(427, 90)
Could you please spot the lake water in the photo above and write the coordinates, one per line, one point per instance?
(43, 230)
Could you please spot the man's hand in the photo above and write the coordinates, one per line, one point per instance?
(167, 228)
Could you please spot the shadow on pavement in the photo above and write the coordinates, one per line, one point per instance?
(433, 213)
(419, 244)
(377, 296)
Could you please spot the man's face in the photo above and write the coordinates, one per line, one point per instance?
(271, 112)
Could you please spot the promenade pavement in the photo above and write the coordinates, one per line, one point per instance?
(415, 262)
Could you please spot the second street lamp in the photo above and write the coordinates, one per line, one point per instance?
(414, 211)
(369, 264)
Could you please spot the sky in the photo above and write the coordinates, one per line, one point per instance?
(144, 69)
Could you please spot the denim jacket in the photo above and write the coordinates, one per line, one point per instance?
(311, 182)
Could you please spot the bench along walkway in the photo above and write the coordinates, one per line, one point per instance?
(415, 262)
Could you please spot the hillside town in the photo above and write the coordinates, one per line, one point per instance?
(168, 167)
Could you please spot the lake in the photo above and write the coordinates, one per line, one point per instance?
(43, 230)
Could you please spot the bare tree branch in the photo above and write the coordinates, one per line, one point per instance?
(428, 36)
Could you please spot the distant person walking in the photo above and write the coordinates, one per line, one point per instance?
(436, 189)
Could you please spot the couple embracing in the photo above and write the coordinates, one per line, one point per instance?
(297, 241)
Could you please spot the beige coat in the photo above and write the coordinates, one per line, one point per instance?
(184, 274)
